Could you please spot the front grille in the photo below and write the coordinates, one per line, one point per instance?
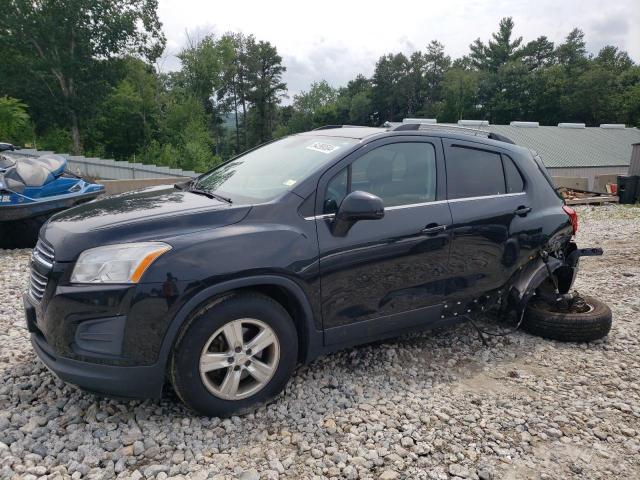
(43, 255)
(37, 285)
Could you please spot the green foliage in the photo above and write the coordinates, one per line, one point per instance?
(496, 52)
(56, 139)
(128, 116)
(15, 126)
(67, 45)
(314, 108)
(460, 94)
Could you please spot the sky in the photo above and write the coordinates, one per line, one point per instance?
(336, 40)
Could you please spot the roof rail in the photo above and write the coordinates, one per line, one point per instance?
(438, 126)
(329, 127)
(451, 128)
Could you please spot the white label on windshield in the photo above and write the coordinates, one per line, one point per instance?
(323, 147)
(290, 183)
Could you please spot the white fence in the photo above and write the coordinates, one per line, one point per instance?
(110, 169)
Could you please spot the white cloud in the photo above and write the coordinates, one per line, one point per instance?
(336, 40)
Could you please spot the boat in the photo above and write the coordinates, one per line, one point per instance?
(34, 188)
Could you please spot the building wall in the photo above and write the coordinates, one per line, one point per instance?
(587, 172)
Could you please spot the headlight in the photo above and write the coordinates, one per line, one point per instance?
(123, 263)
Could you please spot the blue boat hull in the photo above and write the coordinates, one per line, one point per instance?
(46, 206)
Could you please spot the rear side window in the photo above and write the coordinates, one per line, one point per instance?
(473, 173)
(515, 184)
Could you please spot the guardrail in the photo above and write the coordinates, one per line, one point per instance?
(109, 169)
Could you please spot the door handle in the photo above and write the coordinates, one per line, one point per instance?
(522, 211)
(434, 228)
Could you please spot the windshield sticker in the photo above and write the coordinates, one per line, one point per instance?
(322, 147)
(289, 183)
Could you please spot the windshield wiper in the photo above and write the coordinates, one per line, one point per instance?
(220, 197)
(209, 194)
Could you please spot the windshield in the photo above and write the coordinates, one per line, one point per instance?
(268, 171)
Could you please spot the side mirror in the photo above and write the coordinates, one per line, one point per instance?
(356, 206)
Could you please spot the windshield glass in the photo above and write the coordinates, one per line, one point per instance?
(268, 171)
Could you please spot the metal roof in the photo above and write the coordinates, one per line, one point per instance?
(574, 147)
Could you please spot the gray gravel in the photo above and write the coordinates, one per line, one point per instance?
(432, 405)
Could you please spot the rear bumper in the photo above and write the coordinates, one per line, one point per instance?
(109, 380)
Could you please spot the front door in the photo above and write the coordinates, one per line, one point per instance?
(387, 274)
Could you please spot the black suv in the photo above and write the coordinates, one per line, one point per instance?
(308, 244)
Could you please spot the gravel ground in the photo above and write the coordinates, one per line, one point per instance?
(432, 405)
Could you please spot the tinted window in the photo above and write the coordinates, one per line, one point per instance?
(336, 191)
(515, 183)
(399, 173)
(473, 173)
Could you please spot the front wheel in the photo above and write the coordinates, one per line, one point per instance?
(585, 321)
(235, 354)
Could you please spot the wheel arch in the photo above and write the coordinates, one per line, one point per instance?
(523, 286)
(281, 289)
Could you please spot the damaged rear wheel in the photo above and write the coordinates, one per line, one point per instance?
(585, 320)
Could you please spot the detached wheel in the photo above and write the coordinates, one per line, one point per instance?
(235, 354)
(584, 322)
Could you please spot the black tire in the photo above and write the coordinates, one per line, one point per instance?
(540, 319)
(185, 364)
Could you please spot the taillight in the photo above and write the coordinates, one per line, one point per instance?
(573, 217)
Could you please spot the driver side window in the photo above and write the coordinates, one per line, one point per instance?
(398, 173)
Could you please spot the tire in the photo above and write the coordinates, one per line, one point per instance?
(539, 319)
(208, 332)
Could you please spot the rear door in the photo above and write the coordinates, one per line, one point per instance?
(386, 274)
(488, 202)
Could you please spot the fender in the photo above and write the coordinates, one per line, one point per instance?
(313, 338)
(530, 278)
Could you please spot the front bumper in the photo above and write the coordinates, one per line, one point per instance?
(110, 380)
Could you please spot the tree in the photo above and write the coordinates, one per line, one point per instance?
(265, 87)
(65, 43)
(499, 50)
(436, 65)
(311, 109)
(460, 94)
(360, 109)
(202, 65)
(510, 100)
(538, 53)
(572, 54)
(391, 87)
(127, 119)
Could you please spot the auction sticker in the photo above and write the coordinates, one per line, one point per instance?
(322, 147)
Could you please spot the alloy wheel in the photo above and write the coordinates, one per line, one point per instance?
(239, 359)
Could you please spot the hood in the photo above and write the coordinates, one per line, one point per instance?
(150, 214)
